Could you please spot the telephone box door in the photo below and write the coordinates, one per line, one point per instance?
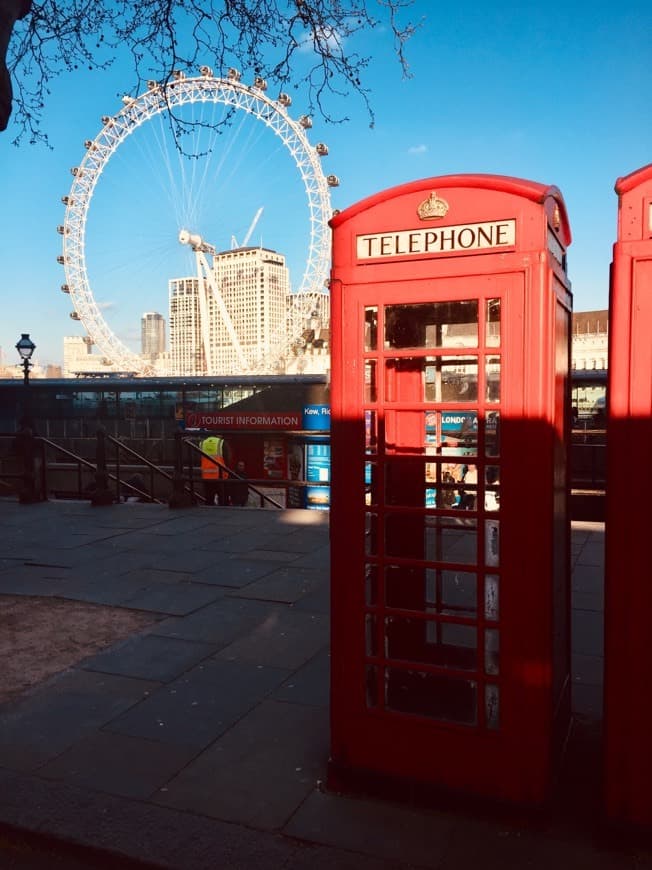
(448, 528)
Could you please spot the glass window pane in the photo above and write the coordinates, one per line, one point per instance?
(492, 323)
(492, 488)
(371, 534)
(370, 431)
(492, 433)
(431, 538)
(492, 706)
(371, 584)
(492, 651)
(370, 391)
(372, 686)
(433, 324)
(371, 636)
(431, 643)
(491, 597)
(493, 379)
(405, 481)
(432, 590)
(371, 328)
(459, 433)
(433, 695)
(370, 483)
(491, 542)
(451, 379)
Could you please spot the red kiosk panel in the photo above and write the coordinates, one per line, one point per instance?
(628, 586)
(449, 531)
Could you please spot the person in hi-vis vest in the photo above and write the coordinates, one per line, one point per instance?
(214, 476)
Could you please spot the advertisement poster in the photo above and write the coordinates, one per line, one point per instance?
(318, 470)
(274, 459)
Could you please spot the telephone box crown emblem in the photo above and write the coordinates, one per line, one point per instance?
(433, 207)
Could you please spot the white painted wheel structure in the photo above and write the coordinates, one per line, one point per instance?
(136, 111)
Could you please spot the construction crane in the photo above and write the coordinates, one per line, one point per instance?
(234, 241)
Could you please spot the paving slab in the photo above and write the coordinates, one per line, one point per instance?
(309, 684)
(150, 657)
(230, 570)
(221, 622)
(380, 828)
(287, 639)
(195, 709)
(259, 772)
(118, 764)
(287, 584)
(169, 596)
(39, 726)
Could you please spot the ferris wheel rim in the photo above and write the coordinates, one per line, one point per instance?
(136, 111)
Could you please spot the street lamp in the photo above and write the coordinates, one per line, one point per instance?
(25, 348)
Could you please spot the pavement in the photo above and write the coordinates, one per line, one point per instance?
(202, 741)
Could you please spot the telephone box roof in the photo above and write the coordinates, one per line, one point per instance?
(532, 190)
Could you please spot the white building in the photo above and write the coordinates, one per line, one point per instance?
(186, 355)
(253, 284)
(77, 355)
(590, 341)
(79, 359)
(152, 335)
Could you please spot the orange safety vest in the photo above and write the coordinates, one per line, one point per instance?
(213, 446)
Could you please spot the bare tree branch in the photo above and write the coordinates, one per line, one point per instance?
(303, 44)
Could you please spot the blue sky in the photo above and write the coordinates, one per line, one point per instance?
(557, 95)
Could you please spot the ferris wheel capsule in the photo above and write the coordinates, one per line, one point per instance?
(206, 71)
(285, 100)
(233, 74)
(306, 122)
(65, 288)
(152, 85)
(332, 181)
(321, 149)
(178, 75)
(260, 84)
(107, 121)
(74, 316)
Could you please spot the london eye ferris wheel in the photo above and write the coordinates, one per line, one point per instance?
(160, 101)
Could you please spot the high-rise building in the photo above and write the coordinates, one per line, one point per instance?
(186, 352)
(253, 284)
(152, 335)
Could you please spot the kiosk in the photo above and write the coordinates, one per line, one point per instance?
(628, 586)
(451, 315)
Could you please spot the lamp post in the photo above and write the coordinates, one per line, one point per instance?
(26, 347)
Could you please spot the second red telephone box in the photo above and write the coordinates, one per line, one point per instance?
(449, 526)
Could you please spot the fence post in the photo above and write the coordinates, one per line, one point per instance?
(101, 495)
(179, 498)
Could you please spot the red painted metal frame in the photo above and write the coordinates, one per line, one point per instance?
(628, 577)
(517, 760)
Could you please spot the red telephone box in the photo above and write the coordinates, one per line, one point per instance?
(449, 527)
(628, 586)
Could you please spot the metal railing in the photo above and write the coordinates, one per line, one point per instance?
(29, 472)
